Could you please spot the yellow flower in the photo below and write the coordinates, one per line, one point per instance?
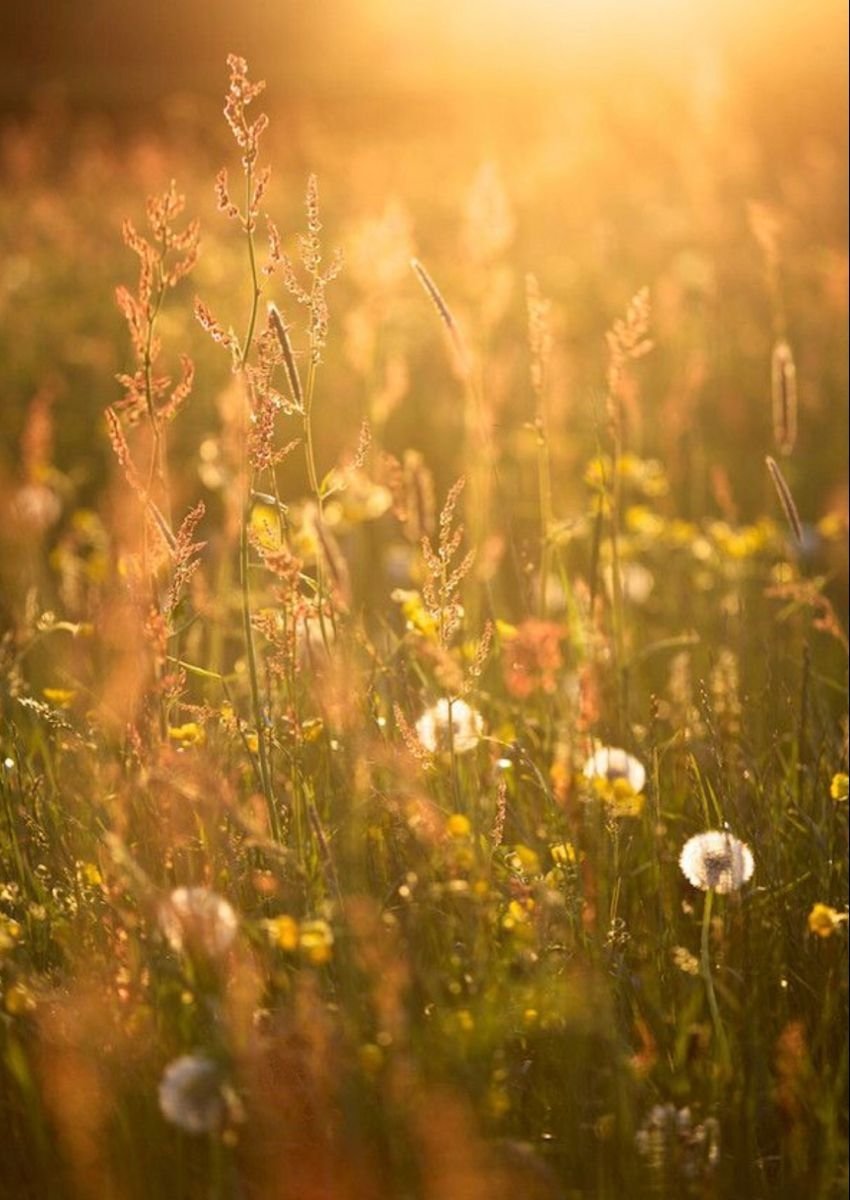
(839, 789)
(618, 779)
(681, 533)
(526, 859)
(190, 734)
(831, 527)
(60, 697)
(518, 915)
(563, 854)
(823, 920)
(641, 519)
(315, 941)
(283, 932)
(621, 798)
(415, 613)
(89, 874)
(458, 826)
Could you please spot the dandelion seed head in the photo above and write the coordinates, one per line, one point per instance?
(611, 764)
(466, 724)
(716, 861)
(191, 1095)
(197, 918)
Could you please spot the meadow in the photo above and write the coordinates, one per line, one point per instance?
(423, 676)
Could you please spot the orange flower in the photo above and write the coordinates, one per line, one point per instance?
(532, 658)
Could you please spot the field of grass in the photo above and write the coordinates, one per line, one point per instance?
(378, 627)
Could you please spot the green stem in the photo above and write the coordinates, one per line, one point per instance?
(705, 958)
(244, 543)
(617, 578)
(252, 258)
(544, 483)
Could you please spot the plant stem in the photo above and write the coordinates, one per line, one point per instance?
(244, 543)
(705, 959)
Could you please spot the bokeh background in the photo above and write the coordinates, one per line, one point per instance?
(619, 145)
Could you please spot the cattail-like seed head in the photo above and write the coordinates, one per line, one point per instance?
(282, 334)
(444, 311)
(784, 396)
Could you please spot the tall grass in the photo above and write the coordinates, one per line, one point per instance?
(312, 884)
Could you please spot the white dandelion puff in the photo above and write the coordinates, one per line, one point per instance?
(716, 861)
(612, 764)
(466, 724)
(636, 581)
(191, 1094)
(196, 918)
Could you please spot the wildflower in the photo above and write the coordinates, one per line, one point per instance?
(435, 723)
(716, 861)
(823, 920)
(192, 1095)
(532, 658)
(88, 874)
(618, 779)
(283, 932)
(524, 860)
(839, 789)
(59, 697)
(315, 941)
(518, 915)
(612, 764)
(196, 918)
(685, 961)
(563, 854)
(415, 613)
(190, 734)
(458, 826)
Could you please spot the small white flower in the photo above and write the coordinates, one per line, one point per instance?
(716, 861)
(467, 726)
(191, 1095)
(197, 918)
(611, 763)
